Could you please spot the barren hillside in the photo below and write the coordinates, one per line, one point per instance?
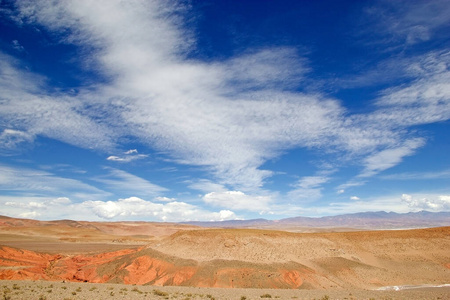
(170, 254)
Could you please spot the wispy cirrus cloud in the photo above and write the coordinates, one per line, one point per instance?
(406, 23)
(124, 182)
(388, 158)
(228, 116)
(308, 189)
(32, 182)
(239, 201)
(12, 140)
(445, 174)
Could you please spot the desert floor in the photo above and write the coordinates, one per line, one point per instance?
(11, 289)
(138, 260)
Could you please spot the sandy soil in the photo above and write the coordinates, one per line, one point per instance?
(171, 258)
(69, 290)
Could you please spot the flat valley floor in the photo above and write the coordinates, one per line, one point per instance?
(40, 290)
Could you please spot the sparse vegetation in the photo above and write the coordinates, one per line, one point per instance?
(243, 298)
(160, 293)
(266, 296)
(326, 297)
(135, 289)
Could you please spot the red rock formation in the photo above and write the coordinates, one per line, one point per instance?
(139, 266)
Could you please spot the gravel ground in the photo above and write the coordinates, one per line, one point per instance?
(45, 290)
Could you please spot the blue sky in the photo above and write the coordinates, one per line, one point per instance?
(217, 110)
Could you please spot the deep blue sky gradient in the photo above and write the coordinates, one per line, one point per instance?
(214, 110)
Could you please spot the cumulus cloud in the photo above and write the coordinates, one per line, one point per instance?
(132, 208)
(354, 198)
(165, 199)
(427, 202)
(38, 207)
(171, 211)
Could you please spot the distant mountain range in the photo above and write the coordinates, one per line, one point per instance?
(364, 220)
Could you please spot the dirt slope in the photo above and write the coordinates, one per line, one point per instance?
(238, 258)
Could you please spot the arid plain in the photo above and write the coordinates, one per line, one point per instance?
(164, 260)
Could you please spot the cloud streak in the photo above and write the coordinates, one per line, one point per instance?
(227, 116)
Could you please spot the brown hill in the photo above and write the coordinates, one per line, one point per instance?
(245, 258)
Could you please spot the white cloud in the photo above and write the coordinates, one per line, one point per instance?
(124, 182)
(391, 203)
(130, 155)
(237, 200)
(39, 207)
(36, 182)
(17, 46)
(30, 215)
(427, 202)
(312, 181)
(132, 208)
(171, 211)
(305, 195)
(228, 116)
(308, 189)
(27, 108)
(409, 23)
(206, 186)
(165, 199)
(388, 158)
(418, 175)
(11, 140)
(131, 151)
(354, 198)
(268, 67)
